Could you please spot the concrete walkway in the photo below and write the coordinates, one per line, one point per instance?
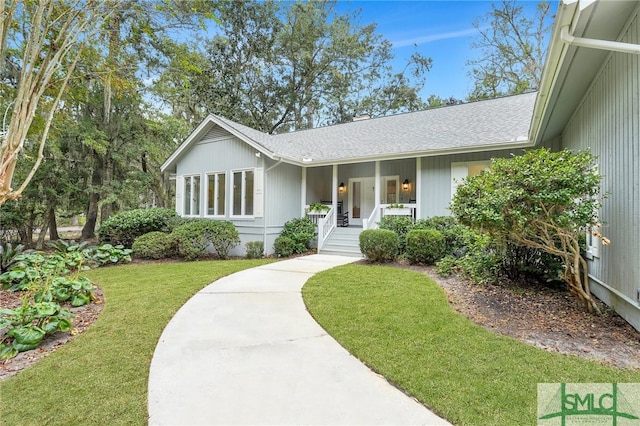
(244, 350)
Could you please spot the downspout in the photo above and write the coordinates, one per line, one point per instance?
(615, 46)
(264, 200)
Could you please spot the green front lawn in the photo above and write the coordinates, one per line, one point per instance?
(399, 323)
(101, 377)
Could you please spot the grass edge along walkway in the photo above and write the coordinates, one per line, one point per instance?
(399, 323)
(101, 377)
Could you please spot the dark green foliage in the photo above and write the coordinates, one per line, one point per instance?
(223, 236)
(9, 256)
(123, 228)
(400, 225)
(284, 246)
(190, 240)
(108, 254)
(301, 231)
(194, 236)
(154, 245)
(542, 200)
(520, 262)
(255, 249)
(453, 232)
(28, 324)
(481, 259)
(425, 246)
(379, 245)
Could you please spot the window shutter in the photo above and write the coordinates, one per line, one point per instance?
(258, 192)
(459, 171)
(180, 195)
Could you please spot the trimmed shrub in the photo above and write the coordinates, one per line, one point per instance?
(223, 236)
(400, 225)
(255, 249)
(425, 246)
(123, 228)
(284, 246)
(379, 245)
(453, 233)
(194, 235)
(154, 245)
(301, 231)
(190, 241)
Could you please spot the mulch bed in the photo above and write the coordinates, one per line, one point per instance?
(546, 317)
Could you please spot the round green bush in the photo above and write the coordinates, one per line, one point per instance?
(425, 246)
(400, 225)
(379, 245)
(301, 231)
(194, 236)
(123, 228)
(284, 246)
(154, 245)
(455, 234)
(190, 240)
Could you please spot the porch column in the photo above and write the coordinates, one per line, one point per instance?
(334, 194)
(418, 187)
(376, 185)
(303, 192)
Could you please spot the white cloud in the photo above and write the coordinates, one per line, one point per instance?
(433, 37)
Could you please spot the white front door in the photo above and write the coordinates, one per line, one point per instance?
(361, 199)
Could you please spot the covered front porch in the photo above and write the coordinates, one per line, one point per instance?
(359, 195)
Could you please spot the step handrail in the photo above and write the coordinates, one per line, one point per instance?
(325, 226)
(372, 221)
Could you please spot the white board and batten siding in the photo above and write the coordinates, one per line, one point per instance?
(276, 192)
(442, 174)
(607, 122)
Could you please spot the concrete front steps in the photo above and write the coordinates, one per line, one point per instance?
(343, 241)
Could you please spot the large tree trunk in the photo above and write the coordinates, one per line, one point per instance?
(89, 228)
(53, 226)
(42, 235)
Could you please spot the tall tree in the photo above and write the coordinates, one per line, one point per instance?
(511, 46)
(46, 38)
(283, 66)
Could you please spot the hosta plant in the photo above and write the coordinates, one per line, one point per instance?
(29, 323)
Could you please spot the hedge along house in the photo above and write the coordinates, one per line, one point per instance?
(588, 98)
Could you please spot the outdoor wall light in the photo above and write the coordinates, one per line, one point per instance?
(405, 185)
(341, 188)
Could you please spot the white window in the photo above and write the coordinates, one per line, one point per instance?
(216, 194)
(191, 205)
(247, 192)
(459, 171)
(593, 244)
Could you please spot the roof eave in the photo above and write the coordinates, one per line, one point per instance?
(568, 12)
(414, 154)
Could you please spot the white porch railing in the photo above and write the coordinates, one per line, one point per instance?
(325, 222)
(405, 210)
(381, 211)
(372, 221)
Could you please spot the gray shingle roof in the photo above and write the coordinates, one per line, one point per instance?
(471, 126)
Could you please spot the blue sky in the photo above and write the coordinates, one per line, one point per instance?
(442, 30)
